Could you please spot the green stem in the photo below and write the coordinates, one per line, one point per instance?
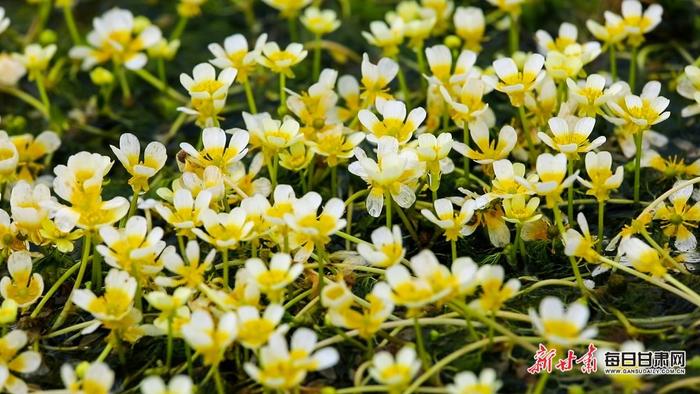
(224, 254)
(175, 127)
(513, 37)
(123, 82)
(572, 260)
(132, 209)
(403, 85)
(519, 241)
(283, 95)
(39, 21)
(441, 364)
(334, 181)
(633, 68)
(528, 138)
(317, 58)
(27, 98)
(321, 267)
(682, 287)
(87, 242)
(70, 23)
(420, 57)
(466, 138)
(96, 268)
(54, 288)
(570, 205)
(188, 356)
(541, 383)
(387, 202)
(601, 221)
(41, 87)
(407, 224)
(161, 73)
(181, 246)
(351, 238)
(613, 62)
(156, 83)
(292, 21)
(650, 279)
(105, 352)
(638, 137)
(169, 351)
(453, 245)
(469, 313)
(249, 96)
(179, 28)
(218, 381)
(420, 342)
(669, 259)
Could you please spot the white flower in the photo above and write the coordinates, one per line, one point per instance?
(395, 173)
(560, 325)
(254, 330)
(207, 91)
(179, 384)
(23, 287)
(284, 367)
(388, 37)
(11, 70)
(570, 135)
(638, 23)
(29, 208)
(515, 82)
(454, 225)
(642, 257)
(470, 25)
(386, 248)
(36, 58)
(114, 38)
(4, 21)
(129, 154)
(397, 371)
(320, 22)
(641, 111)
(93, 378)
(394, 121)
(208, 338)
(489, 151)
(467, 382)
(235, 54)
(282, 60)
(216, 152)
(274, 279)
(377, 77)
(689, 87)
(590, 95)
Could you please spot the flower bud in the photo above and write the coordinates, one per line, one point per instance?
(101, 76)
(453, 42)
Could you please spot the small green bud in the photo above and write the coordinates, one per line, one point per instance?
(575, 389)
(434, 335)
(17, 123)
(101, 76)
(453, 42)
(81, 369)
(47, 37)
(141, 23)
(319, 123)
(8, 311)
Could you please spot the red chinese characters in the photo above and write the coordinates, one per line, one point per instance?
(544, 360)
